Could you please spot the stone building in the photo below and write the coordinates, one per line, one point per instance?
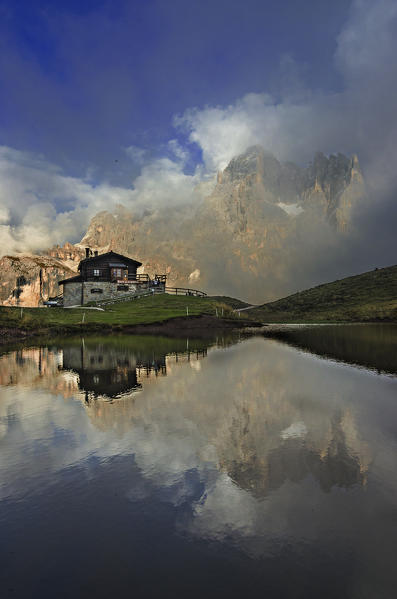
(103, 277)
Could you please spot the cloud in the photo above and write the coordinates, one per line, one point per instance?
(361, 51)
(41, 206)
(223, 133)
(136, 154)
(357, 119)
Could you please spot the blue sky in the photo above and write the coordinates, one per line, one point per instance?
(102, 76)
(136, 102)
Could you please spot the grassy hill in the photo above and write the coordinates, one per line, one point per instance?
(230, 301)
(143, 311)
(369, 297)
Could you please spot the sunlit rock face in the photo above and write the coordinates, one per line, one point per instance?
(242, 238)
(28, 280)
(247, 234)
(333, 185)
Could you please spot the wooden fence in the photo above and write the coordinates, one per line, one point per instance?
(185, 291)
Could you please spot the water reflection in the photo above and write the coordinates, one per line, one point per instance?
(332, 456)
(270, 453)
(101, 368)
(110, 371)
(262, 435)
(369, 345)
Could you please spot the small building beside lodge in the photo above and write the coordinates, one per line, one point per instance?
(107, 276)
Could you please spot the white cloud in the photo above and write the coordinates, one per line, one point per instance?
(136, 154)
(358, 119)
(223, 133)
(41, 206)
(368, 39)
(180, 153)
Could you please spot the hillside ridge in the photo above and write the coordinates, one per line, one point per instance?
(366, 297)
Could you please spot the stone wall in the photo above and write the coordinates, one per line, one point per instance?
(72, 292)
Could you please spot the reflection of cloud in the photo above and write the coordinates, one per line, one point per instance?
(225, 508)
(245, 441)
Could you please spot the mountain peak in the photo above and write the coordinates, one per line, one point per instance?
(251, 162)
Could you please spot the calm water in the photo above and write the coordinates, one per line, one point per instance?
(150, 467)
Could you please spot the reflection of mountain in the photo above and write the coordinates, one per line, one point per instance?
(235, 410)
(293, 460)
(268, 440)
(37, 368)
(262, 436)
(100, 368)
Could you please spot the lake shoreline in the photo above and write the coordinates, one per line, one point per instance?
(368, 345)
(201, 326)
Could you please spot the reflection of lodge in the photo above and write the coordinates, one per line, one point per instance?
(92, 370)
(115, 371)
(262, 438)
(109, 372)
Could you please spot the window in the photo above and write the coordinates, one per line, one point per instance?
(96, 272)
(122, 287)
(96, 290)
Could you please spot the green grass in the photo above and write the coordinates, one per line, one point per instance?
(230, 301)
(146, 310)
(369, 297)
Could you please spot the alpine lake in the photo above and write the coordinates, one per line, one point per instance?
(137, 466)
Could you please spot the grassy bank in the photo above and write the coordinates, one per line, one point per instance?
(145, 311)
(369, 297)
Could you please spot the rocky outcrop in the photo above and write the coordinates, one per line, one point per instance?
(246, 237)
(28, 280)
(247, 232)
(333, 185)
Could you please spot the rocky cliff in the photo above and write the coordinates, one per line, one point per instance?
(245, 238)
(28, 280)
(245, 234)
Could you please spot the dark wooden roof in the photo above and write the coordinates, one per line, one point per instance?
(76, 279)
(113, 255)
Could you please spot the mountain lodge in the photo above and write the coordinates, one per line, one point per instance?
(106, 276)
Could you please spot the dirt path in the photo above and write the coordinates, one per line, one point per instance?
(246, 308)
